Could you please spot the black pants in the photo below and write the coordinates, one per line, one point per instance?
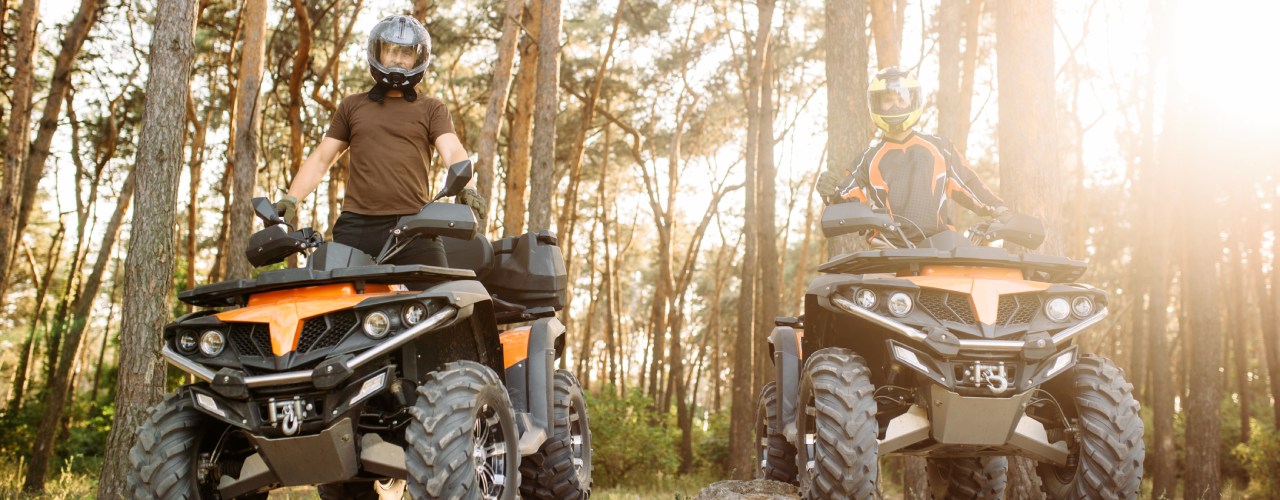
(369, 233)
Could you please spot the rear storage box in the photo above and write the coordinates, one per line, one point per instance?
(528, 271)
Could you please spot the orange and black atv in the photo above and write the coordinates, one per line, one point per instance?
(953, 351)
(337, 374)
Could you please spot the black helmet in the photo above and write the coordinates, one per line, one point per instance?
(399, 50)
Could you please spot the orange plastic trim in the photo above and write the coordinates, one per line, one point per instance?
(983, 285)
(515, 346)
(283, 311)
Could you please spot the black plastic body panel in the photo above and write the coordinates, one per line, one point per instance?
(528, 271)
(237, 292)
(785, 344)
(449, 220)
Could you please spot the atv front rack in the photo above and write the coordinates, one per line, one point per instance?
(1034, 267)
(237, 292)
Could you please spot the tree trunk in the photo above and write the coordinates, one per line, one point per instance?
(849, 126)
(959, 21)
(15, 149)
(301, 57)
(886, 25)
(248, 123)
(60, 84)
(766, 230)
(1030, 175)
(520, 132)
(1271, 328)
(196, 167)
(106, 332)
(742, 419)
(487, 149)
(148, 284)
(59, 384)
(20, 376)
(542, 171)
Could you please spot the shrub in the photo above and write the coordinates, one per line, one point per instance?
(629, 439)
(1261, 458)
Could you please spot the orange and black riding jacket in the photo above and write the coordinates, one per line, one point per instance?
(913, 179)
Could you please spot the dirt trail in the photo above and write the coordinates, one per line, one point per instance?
(759, 489)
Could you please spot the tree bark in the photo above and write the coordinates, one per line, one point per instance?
(849, 127)
(148, 284)
(15, 149)
(520, 132)
(196, 168)
(60, 383)
(1030, 175)
(542, 172)
(248, 125)
(499, 89)
(766, 229)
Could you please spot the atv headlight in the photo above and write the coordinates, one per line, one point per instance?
(413, 313)
(187, 342)
(900, 304)
(212, 343)
(1057, 309)
(377, 324)
(865, 298)
(1081, 306)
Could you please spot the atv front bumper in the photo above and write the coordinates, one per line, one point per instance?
(962, 425)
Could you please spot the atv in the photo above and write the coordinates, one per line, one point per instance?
(952, 350)
(350, 371)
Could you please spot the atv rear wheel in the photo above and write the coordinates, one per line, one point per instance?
(462, 440)
(776, 456)
(1108, 458)
(837, 423)
(562, 467)
(968, 477)
(166, 456)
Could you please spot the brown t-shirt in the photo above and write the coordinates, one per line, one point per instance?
(391, 145)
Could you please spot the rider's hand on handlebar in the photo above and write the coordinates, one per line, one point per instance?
(1002, 214)
(287, 207)
(471, 198)
(827, 184)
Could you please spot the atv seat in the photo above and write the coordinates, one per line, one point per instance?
(474, 254)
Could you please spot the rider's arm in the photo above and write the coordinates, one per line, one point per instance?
(966, 188)
(315, 166)
(450, 148)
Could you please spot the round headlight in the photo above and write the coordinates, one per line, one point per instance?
(1081, 306)
(899, 304)
(865, 298)
(212, 343)
(1057, 309)
(187, 342)
(413, 313)
(377, 324)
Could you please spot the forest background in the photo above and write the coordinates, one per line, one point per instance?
(673, 147)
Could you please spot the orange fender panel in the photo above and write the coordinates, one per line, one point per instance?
(515, 346)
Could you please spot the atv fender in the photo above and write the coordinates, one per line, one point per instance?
(784, 343)
(529, 354)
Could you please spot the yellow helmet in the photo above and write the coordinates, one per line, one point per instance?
(894, 100)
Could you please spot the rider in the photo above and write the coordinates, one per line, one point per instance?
(388, 130)
(907, 173)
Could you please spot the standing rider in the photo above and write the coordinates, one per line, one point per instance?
(389, 131)
(909, 174)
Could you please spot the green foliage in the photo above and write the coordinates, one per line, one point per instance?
(711, 446)
(630, 441)
(1261, 458)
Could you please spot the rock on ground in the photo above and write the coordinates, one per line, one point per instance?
(759, 489)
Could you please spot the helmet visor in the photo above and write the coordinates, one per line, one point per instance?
(402, 57)
(895, 100)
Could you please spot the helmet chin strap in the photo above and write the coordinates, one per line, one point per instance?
(379, 92)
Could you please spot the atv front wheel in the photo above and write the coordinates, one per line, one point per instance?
(837, 423)
(969, 477)
(776, 456)
(561, 469)
(462, 440)
(165, 457)
(1108, 458)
